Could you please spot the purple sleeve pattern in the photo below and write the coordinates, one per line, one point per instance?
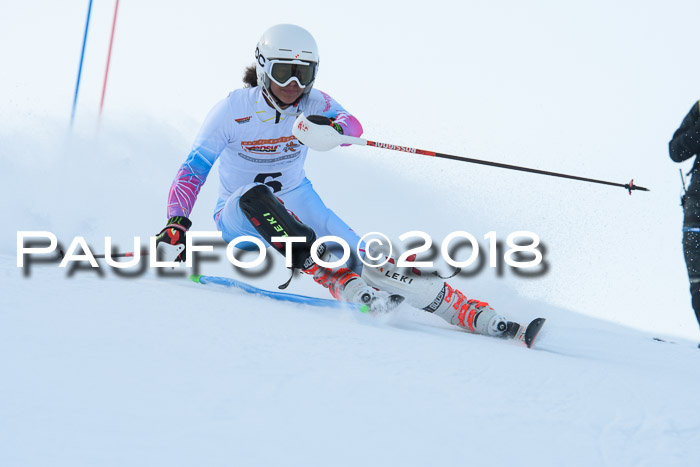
(188, 181)
(211, 140)
(351, 126)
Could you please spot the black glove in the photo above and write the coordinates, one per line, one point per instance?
(323, 120)
(175, 233)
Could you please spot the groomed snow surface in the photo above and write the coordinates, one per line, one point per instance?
(113, 372)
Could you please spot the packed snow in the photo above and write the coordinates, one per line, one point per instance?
(99, 368)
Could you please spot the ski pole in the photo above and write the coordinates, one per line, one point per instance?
(363, 142)
(115, 255)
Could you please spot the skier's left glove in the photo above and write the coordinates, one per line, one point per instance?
(172, 238)
(318, 132)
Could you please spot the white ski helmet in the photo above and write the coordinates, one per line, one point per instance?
(286, 53)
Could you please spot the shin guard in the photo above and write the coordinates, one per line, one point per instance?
(271, 219)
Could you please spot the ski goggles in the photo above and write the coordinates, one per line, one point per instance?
(283, 72)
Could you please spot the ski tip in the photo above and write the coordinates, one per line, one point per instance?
(396, 300)
(533, 329)
(196, 278)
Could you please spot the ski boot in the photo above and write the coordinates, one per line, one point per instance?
(347, 286)
(431, 293)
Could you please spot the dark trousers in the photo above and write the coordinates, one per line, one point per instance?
(691, 247)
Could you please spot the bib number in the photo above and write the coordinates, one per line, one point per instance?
(274, 184)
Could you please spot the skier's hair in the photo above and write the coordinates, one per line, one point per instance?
(250, 76)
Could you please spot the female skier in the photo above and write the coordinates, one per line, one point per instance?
(264, 193)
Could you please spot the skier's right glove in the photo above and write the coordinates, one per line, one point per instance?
(173, 238)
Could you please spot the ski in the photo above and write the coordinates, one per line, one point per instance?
(525, 334)
(532, 331)
(280, 296)
(517, 332)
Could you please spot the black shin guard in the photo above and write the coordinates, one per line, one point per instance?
(271, 219)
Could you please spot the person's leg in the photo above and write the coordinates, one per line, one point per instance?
(270, 218)
(310, 208)
(431, 293)
(233, 223)
(691, 248)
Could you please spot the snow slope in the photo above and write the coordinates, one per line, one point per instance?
(105, 370)
(167, 372)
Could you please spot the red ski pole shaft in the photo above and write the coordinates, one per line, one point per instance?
(628, 186)
(115, 255)
(123, 255)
